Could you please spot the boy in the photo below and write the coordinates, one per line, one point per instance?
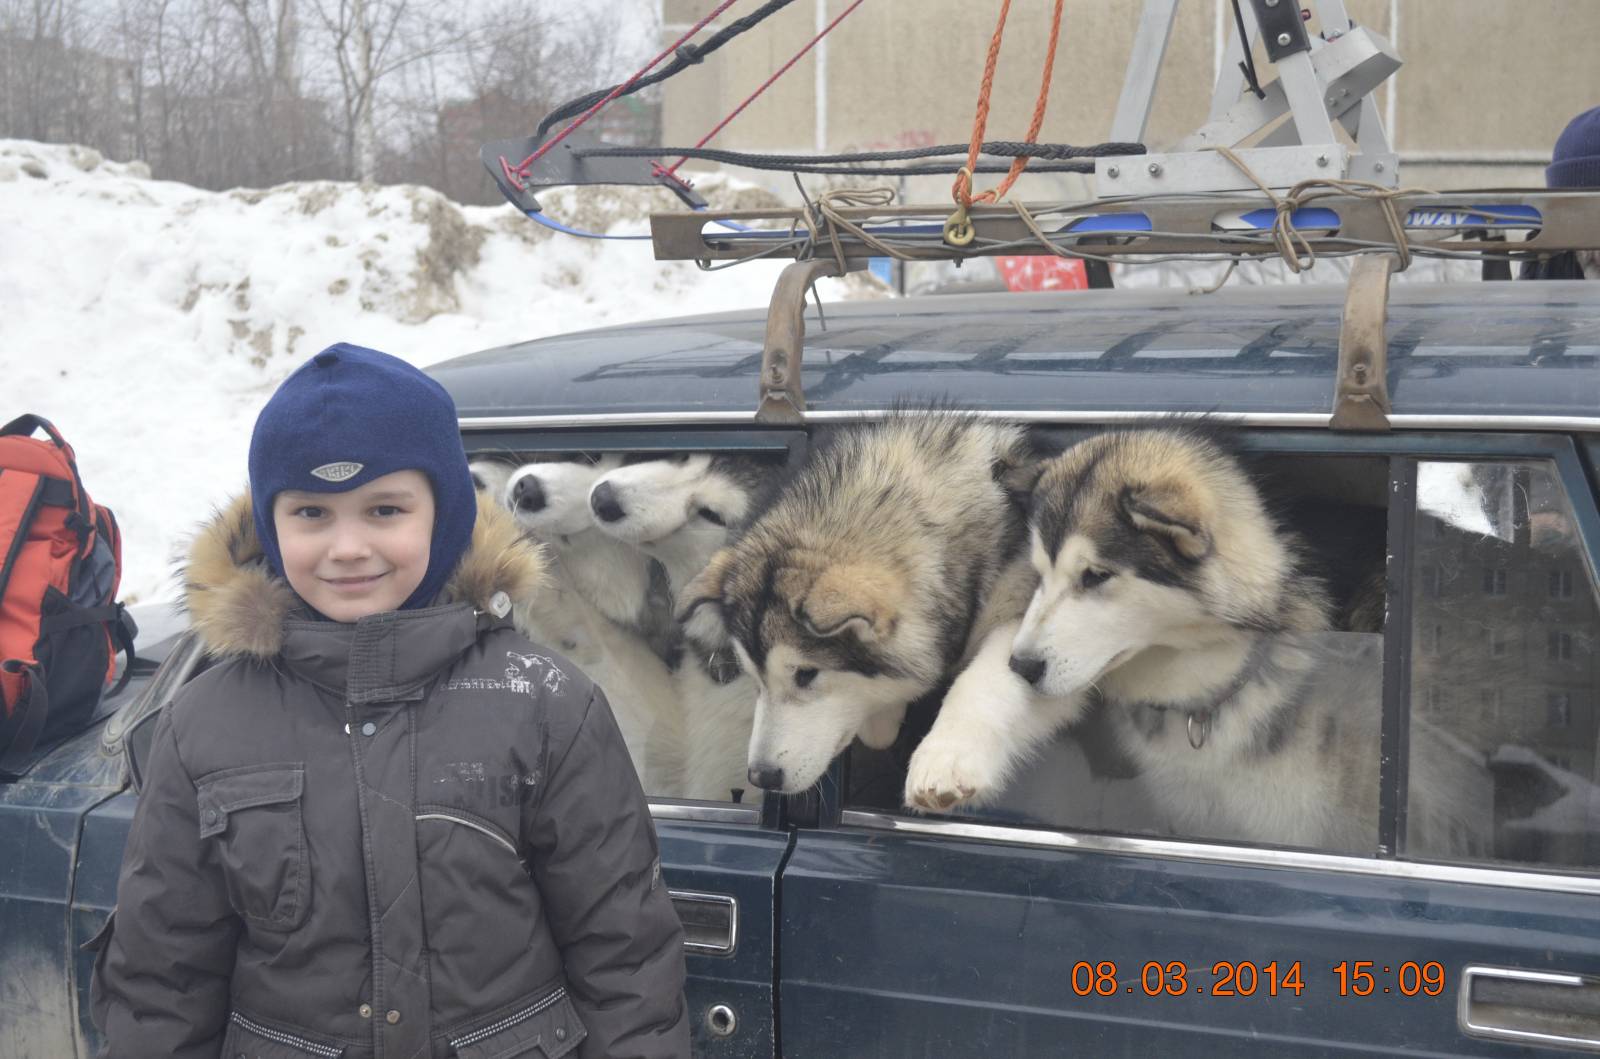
(386, 825)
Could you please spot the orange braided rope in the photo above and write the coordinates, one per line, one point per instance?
(961, 191)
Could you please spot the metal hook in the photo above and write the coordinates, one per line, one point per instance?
(958, 229)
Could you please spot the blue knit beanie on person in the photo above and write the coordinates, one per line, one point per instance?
(347, 416)
(1575, 162)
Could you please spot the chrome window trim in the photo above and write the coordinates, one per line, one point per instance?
(704, 812)
(1504, 1033)
(1247, 419)
(1245, 856)
(733, 920)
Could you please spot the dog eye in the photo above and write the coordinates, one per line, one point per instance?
(712, 517)
(1092, 577)
(804, 676)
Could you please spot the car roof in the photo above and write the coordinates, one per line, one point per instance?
(1476, 351)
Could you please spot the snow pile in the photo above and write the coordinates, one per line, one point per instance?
(150, 320)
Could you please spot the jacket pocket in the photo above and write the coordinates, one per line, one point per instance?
(546, 1026)
(487, 828)
(249, 1039)
(253, 815)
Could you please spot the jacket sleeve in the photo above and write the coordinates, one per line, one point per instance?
(160, 984)
(595, 859)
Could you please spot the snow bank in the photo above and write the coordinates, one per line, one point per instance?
(150, 320)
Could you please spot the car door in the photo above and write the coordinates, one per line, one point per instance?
(1070, 922)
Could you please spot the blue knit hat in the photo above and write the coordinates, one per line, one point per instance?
(1575, 162)
(350, 415)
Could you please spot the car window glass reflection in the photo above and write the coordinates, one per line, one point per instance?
(1503, 677)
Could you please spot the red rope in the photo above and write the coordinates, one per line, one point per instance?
(962, 191)
(520, 171)
(673, 169)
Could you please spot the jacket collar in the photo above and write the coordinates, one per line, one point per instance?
(240, 608)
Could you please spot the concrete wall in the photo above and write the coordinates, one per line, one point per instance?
(1485, 82)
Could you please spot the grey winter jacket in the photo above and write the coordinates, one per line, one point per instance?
(418, 835)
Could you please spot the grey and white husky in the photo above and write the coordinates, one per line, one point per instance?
(865, 583)
(1166, 587)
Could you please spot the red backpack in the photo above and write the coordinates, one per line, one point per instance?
(60, 624)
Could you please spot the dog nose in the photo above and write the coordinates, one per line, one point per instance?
(604, 502)
(767, 777)
(1028, 668)
(528, 494)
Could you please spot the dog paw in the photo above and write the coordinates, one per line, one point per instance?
(947, 773)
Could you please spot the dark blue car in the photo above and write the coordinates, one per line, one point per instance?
(1072, 919)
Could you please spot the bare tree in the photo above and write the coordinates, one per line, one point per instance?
(223, 93)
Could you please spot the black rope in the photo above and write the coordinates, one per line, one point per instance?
(686, 56)
(1248, 66)
(998, 148)
(848, 164)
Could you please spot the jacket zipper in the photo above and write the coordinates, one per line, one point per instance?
(480, 828)
(510, 1020)
(289, 1039)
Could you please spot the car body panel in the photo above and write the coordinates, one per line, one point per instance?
(899, 944)
(1458, 350)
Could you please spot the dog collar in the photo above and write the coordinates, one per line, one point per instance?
(1198, 720)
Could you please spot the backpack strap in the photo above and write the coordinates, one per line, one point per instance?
(20, 731)
(21, 493)
(25, 425)
(82, 520)
(119, 624)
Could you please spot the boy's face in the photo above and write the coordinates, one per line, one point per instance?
(360, 552)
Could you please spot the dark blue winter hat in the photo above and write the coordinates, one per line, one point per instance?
(1575, 162)
(350, 415)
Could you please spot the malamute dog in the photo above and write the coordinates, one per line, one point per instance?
(681, 510)
(551, 501)
(864, 584)
(1166, 587)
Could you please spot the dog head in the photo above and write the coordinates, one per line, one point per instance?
(821, 636)
(1143, 539)
(685, 505)
(551, 499)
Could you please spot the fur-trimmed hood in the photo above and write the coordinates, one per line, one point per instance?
(239, 606)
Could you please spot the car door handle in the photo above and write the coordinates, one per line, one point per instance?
(1530, 1007)
(710, 921)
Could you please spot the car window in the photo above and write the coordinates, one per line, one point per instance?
(624, 532)
(1503, 672)
(1292, 761)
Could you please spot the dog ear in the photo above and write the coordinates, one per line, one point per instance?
(1018, 479)
(700, 603)
(1171, 512)
(851, 597)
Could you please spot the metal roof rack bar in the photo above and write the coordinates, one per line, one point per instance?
(1225, 224)
(1361, 393)
(781, 398)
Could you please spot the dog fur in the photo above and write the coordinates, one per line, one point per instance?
(681, 510)
(1165, 586)
(864, 584)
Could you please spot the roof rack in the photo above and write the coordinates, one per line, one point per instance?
(1220, 226)
(1454, 224)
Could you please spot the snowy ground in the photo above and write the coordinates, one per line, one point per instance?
(150, 320)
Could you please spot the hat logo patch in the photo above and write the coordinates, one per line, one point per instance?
(338, 472)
